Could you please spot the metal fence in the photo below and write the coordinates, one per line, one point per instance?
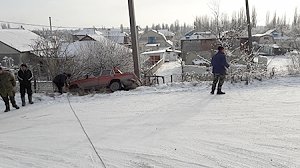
(40, 86)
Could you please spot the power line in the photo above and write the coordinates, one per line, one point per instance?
(38, 25)
(85, 132)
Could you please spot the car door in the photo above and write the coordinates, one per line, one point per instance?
(105, 77)
(90, 82)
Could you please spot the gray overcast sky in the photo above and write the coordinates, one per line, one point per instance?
(110, 13)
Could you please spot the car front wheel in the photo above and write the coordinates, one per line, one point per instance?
(114, 86)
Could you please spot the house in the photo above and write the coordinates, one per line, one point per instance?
(263, 39)
(272, 43)
(168, 34)
(198, 43)
(197, 46)
(154, 56)
(16, 46)
(116, 35)
(153, 40)
(85, 32)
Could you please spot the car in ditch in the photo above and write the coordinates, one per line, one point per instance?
(109, 79)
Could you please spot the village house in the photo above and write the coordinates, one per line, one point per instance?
(153, 40)
(116, 35)
(200, 46)
(165, 55)
(85, 34)
(16, 46)
(272, 42)
(197, 45)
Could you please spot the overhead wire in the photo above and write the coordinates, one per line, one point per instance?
(38, 25)
(83, 129)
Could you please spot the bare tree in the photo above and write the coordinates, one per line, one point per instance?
(215, 8)
(47, 49)
(254, 17)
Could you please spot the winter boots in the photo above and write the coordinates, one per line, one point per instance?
(13, 102)
(16, 106)
(7, 108)
(220, 92)
(30, 99)
(23, 101)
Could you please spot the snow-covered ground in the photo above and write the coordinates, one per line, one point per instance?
(168, 69)
(178, 125)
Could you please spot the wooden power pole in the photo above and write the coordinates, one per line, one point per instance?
(249, 28)
(134, 43)
(50, 22)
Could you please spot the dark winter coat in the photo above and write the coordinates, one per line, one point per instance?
(60, 80)
(25, 77)
(7, 84)
(219, 63)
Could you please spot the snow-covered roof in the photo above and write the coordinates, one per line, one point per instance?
(153, 45)
(200, 35)
(77, 47)
(19, 39)
(113, 32)
(153, 52)
(171, 50)
(270, 31)
(161, 51)
(97, 37)
(166, 32)
(86, 31)
(261, 35)
(163, 36)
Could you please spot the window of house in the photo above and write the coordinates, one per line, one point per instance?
(151, 40)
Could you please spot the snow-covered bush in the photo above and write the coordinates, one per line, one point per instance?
(294, 68)
(94, 56)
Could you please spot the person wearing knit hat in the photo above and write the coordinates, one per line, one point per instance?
(25, 76)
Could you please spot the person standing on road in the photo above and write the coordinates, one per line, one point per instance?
(25, 76)
(60, 81)
(7, 89)
(219, 64)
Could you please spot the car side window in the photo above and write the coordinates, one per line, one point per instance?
(106, 73)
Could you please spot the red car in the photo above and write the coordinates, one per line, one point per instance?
(112, 79)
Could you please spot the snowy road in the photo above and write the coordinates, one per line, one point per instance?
(174, 126)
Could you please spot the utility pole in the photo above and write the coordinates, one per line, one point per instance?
(134, 44)
(50, 26)
(249, 28)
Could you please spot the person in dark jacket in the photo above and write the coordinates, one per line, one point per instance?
(7, 89)
(219, 64)
(25, 76)
(60, 81)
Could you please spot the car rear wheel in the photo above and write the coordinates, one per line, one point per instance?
(114, 86)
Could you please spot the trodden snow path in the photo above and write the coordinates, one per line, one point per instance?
(177, 125)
